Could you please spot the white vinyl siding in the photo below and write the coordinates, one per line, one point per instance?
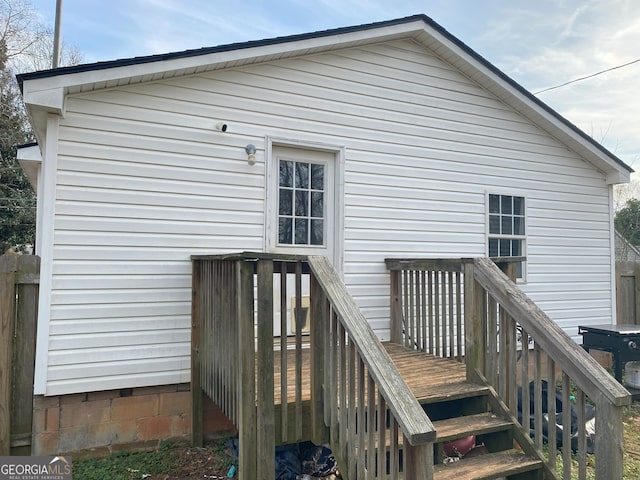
(145, 181)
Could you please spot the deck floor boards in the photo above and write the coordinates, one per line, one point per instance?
(429, 377)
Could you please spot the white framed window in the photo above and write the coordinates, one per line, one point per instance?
(506, 227)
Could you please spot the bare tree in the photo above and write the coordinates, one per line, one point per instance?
(25, 44)
(21, 32)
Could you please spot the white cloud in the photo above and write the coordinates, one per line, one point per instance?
(546, 44)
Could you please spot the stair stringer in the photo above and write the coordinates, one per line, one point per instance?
(520, 434)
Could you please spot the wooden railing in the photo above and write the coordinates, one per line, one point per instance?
(245, 360)
(427, 305)
(511, 344)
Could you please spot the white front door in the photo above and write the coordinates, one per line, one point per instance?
(302, 214)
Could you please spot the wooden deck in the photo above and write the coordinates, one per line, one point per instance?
(427, 376)
(235, 295)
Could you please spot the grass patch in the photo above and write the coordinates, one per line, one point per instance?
(631, 426)
(631, 467)
(125, 465)
(170, 461)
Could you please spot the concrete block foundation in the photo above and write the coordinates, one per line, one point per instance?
(116, 420)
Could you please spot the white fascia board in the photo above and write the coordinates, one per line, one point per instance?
(615, 177)
(30, 160)
(512, 96)
(44, 96)
(239, 55)
(40, 100)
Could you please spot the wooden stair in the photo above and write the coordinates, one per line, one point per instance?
(458, 409)
(459, 427)
(492, 465)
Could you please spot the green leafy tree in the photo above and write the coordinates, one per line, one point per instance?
(627, 221)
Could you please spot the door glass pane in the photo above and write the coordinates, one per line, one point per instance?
(317, 176)
(302, 231)
(286, 202)
(317, 232)
(317, 204)
(302, 175)
(284, 230)
(302, 203)
(286, 173)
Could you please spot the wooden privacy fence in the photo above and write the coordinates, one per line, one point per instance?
(628, 292)
(436, 303)
(244, 306)
(19, 282)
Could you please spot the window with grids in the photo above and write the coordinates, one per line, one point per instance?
(301, 203)
(507, 227)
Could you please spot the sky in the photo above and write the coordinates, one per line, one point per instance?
(538, 43)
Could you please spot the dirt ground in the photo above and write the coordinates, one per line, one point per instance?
(189, 463)
(183, 462)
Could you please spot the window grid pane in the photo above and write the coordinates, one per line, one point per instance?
(506, 227)
(301, 199)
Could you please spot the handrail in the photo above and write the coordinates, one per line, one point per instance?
(415, 423)
(511, 345)
(588, 375)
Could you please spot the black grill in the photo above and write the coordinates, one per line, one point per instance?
(623, 341)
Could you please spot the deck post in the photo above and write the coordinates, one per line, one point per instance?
(196, 387)
(475, 323)
(419, 461)
(396, 308)
(265, 377)
(320, 432)
(610, 452)
(248, 442)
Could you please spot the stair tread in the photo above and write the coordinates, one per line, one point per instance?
(460, 427)
(447, 392)
(489, 466)
(479, 424)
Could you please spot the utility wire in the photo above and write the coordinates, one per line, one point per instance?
(588, 76)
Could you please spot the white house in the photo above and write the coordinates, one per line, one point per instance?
(392, 139)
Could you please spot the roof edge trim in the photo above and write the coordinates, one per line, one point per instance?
(217, 49)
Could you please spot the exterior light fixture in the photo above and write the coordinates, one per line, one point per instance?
(251, 153)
